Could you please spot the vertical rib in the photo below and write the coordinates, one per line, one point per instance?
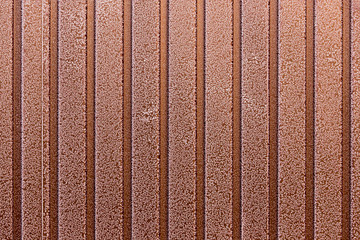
(255, 119)
(346, 120)
(6, 116)
(127, 119)
(54, 120)
(90, 120)
(109, 119)
(309, 121)
(17, 63)
(236, 165)
(218, 119)
(273, 118)
(146, 120)
(291, 161)
(31, 163)
(355, 119)
(182, 119)
(164, 119)
(328, 119)
(45, 106)
(200, 119)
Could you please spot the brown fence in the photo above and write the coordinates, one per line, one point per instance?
(179, 119)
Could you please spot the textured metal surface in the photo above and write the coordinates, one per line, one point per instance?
(218, 120)
(179, 119)
(328, 101)
(72, 120)
(6, 130)
(255, 119)
(31, 120)
(109, 124)
(355, 120)
(182, 119)
(291, 119)
(45, 119)
(145, 119)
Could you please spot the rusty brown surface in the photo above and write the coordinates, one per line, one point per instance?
(328, 118)
(182, 119)
(149, 119)
(109, 123)
(355, 120)
(292, 119)
(6, 141)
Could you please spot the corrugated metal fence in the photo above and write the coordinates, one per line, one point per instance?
(180, 119)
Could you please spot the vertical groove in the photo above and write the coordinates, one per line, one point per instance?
(236, 188)
(273, 120)
(346, 119)
(310, 120)
(90, 120)
(53, 141)
(164, 119)
(16, 98)
(127, 134)
(200, 119)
